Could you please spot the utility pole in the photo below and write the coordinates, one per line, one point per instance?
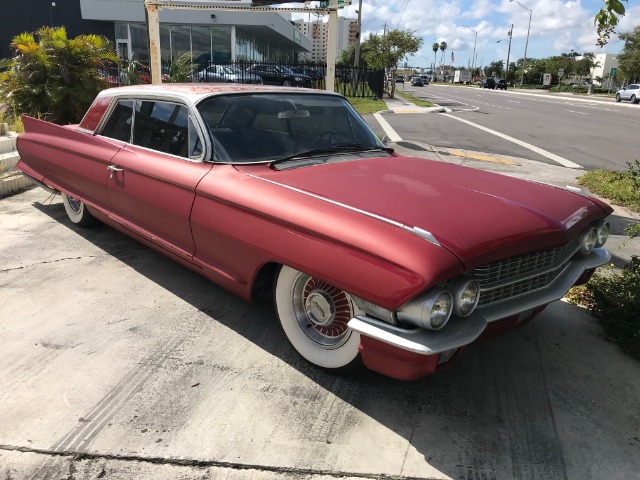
(508, 53)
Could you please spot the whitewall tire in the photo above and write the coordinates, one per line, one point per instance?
(77, 211)
(314, 316)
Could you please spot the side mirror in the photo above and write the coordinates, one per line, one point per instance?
(385, 140)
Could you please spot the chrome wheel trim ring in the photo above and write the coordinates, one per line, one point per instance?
(75, 205)
(322, 311)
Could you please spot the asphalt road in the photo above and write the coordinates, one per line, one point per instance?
(590, 132)
(117, 363)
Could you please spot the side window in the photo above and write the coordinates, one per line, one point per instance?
(165, 127)
(119, 124)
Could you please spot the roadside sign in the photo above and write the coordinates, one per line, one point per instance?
(560, 72)
(546, 79)
(338, 3)
(613, 73)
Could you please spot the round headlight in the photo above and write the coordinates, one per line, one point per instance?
(588, 241)
(440, 311)
(466, 294)
(602, 231)
(431, 310)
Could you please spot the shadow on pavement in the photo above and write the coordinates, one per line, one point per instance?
(488, 416)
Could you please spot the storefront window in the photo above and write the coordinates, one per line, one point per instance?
(139, 42)
(201, 45)
(180, 41)
(221, 44)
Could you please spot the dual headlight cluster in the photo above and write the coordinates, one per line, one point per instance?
(433, 309)
(594, 236)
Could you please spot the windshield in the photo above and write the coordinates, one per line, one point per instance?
(264, 127)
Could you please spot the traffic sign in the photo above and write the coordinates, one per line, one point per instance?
(560, 72)
(614, 72)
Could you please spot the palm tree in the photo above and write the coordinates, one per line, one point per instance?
(443, 47)
(435, 47)
(54, 76)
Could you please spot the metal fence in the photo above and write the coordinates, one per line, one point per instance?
(349, 81)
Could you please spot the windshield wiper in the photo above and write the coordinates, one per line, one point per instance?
(346, 147)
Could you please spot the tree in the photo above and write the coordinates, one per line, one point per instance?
(55, 77)
(385, 51)
(606, 20)
(435, 47)
(443, 48)
(496, 68)
(629, 59)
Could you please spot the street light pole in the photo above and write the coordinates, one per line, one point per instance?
(356, 60)
(524, 63)
(474, 48)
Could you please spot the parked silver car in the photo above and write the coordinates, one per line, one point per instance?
(227, 74)
(630, 92)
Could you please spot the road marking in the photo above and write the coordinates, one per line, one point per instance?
(477, 156)
(579, 113)
(512, 101)
(388, 129)
(552, 156)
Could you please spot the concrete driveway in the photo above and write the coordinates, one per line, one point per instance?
(115, 362)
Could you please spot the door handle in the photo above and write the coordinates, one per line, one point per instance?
(113, 169)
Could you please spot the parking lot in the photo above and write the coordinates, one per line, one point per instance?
(116, 362)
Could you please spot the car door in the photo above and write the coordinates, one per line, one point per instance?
(152, 179)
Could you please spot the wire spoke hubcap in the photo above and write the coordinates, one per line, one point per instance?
(322, 311)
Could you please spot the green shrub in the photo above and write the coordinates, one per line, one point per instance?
(616, 302)
(54, 76)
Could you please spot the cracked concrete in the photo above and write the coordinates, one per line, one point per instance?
(126, 365)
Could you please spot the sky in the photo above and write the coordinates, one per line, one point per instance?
(557, 27)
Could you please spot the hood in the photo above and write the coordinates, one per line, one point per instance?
(479, 216)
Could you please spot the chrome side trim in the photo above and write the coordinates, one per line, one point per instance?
(40, 184)
(463, 331)
(425, 235)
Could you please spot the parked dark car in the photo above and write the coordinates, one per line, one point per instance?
(488, 83)
(278, 75)
(227, 74)
(501, 84)
(417, 82)
(313, 74)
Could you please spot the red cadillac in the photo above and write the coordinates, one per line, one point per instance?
(285, 191)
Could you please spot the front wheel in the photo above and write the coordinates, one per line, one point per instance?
(618, 97)
(77, 211)
(314, 317)
(287, 83)
(633, 99)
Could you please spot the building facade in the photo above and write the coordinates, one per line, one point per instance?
(316, 32)
(209, 36)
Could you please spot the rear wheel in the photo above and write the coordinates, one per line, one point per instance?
(77, 211)
(314, 317)
(287, 83)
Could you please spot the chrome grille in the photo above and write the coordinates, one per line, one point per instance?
(513, 277)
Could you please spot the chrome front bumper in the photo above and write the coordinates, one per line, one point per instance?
(463, 331)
